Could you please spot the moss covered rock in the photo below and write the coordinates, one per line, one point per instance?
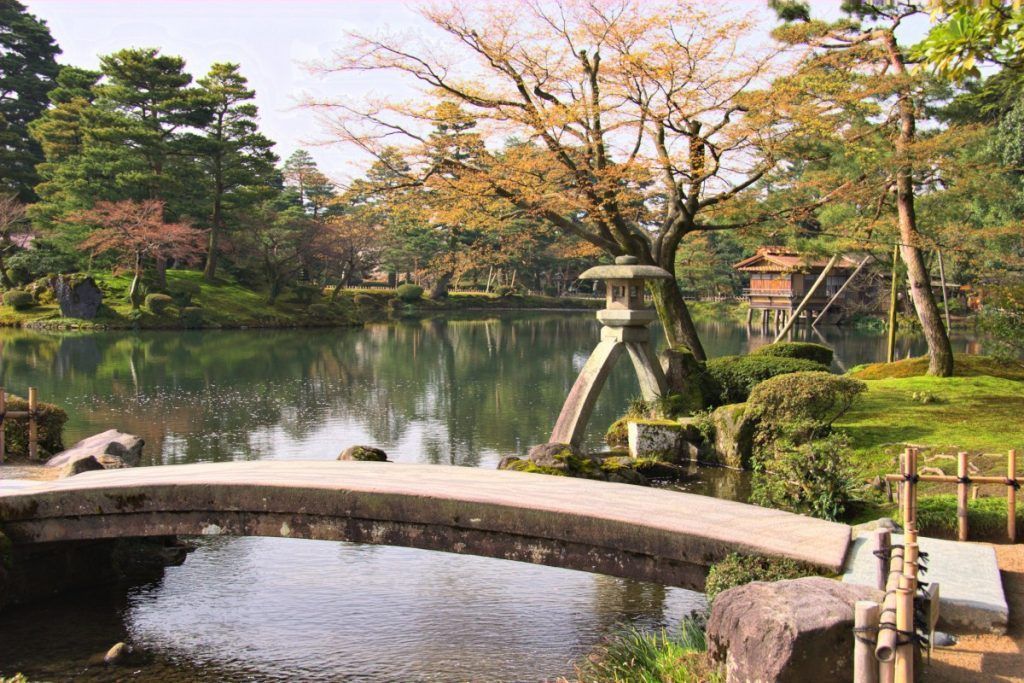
(363, 454)
(732, 440)
(565, 458)
(617, 435)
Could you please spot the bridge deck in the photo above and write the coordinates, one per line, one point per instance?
(561, 521)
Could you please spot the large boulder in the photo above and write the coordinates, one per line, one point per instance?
(363, 454)
(112, 449)
(790, 631)
(562, 457)
(78, 296)
(733, 442)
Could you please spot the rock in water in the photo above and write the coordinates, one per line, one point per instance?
(77, 296)
(363, 454)
(111, 449)
(117, 654)
(792, 631)
(79, 465)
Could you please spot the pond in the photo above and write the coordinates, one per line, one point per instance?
(454, 392)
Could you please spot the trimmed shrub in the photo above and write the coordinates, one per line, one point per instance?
(303, 294)
(51, 421)
(801, 404)
(819, 353)
(183, 291)
(18, 299)
(158, 303)
(730, 379)
(503, 291)
(409, 293)
(364, 300)
(738, 570)
(191, 316)
(813, 479)
(320, 311)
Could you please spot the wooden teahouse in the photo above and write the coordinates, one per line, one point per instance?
(781, 278)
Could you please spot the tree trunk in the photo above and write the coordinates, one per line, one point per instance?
(133, 291)
(675, 317)
(210, 270)
(439, 289)
(940, 353)
(4, 277)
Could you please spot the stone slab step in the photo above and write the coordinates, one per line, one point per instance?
(971, 593)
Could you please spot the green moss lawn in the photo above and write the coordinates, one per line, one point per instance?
(227, 303)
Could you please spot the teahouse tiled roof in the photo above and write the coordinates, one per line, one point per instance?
(783, 260)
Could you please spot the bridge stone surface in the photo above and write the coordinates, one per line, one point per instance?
(617, 529)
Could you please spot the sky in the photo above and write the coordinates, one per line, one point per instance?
(274, 41)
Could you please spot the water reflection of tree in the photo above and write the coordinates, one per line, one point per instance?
(469, 386)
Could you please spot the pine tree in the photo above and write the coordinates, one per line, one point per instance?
(27, 69)
(238, 161)
(314, 189)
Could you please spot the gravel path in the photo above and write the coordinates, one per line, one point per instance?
(990, 658)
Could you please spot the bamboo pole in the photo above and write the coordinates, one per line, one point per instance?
(890, 353)
(1011, 496)
(881, 543)
(865, 666)
(839, 292)
(942, 280)
(885, 648)
(961, 496)
(905, 613)
(807, 298)
(33, 427)
(3, 417)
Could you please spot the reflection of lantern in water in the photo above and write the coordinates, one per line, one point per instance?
(626, 316)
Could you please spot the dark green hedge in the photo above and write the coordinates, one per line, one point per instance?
(806, 350)
(730, 379)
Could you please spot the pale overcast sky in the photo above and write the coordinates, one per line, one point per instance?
(271, 39)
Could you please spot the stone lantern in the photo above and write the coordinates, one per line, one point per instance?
(625, 318)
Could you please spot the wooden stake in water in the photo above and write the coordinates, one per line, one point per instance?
(961, 496)
(3, 417)
(33, 427)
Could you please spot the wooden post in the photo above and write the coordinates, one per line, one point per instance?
(961, 496)
(764, 317)
(750, 316)
(839, 292)
(865, 618)
(1011, 496)
(942, 280)
(890, 354)
(33, 428)
(3, 417)
(881, 546)
(807, 299)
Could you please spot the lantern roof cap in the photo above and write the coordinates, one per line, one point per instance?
(625, 268)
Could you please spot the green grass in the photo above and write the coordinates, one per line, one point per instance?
(986, 517)
(977, 414)
(635, 656)
(227, 303)
(965, 365)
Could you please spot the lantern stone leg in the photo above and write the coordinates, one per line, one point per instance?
(572, 421)
(625, 319)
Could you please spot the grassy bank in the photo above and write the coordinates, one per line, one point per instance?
(978, 411)
(229, 304)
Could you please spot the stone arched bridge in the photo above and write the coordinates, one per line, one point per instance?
(616, 529)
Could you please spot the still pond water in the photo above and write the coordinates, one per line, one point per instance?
(462, 393)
